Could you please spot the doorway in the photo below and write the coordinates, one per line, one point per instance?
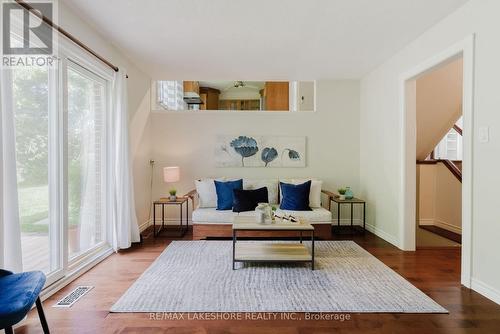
(439, 155)
(464, 51)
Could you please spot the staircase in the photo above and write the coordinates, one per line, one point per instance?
(438, 103)
(445, 193)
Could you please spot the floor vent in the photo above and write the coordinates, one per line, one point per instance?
(73, 296)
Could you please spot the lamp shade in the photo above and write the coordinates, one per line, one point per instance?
(171, 174)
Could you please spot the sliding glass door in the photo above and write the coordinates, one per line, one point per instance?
(60, 116)
(86, 94)
(34, 97)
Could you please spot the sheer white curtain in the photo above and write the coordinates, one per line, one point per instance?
(10, 230)
(88, 180)
(122, 216)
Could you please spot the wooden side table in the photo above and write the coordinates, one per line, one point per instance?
(165, 202)
(350, 202)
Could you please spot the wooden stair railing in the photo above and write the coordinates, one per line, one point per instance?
(458, 129)
(448, 163)
(453, 169)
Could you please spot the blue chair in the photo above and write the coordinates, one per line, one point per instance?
(18, 293)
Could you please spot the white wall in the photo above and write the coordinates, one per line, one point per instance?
(448, 199)
(187, 139)
(439, 197)
(426, 194)
(381, 137)
(138, 102)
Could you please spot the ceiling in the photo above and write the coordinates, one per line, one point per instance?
(261, 39)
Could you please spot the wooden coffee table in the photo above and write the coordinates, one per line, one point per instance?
(271, 252)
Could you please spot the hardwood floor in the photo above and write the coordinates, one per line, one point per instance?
(436, 272)
(442, 232)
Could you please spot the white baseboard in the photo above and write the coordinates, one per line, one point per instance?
(427, 221)
(145, 225)
(486, 290)
(384, 235)
(347, 221)
(440, 223)
(168, 221)
(58, 285)
(448, 226)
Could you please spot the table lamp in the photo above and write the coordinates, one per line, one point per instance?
(171, 175)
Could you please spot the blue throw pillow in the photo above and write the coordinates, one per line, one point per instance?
(225, 193)
(295, 196)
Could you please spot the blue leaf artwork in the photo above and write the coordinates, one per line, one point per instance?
(243, 150)
(292, 154)
(268, 155)
(245, 147)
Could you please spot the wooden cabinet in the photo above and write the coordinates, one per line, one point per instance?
(191, 86)
(210, 98)
(276, 95)
(239, 105)
(203, 98)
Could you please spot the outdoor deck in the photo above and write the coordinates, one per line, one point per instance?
(36, 255)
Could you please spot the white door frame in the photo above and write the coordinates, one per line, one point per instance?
(464, 48)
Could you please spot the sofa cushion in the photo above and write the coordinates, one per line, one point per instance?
(247, 200)
(314, 193)
(271, 185)
(212, 215)
(316, 215)
(225, 193)
(247, 213)
(295, 196)
(207, 195)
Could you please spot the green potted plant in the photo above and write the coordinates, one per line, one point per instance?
(273, 209)
(342, 192)
(173, 193)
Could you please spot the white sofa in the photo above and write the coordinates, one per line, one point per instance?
(210, 222)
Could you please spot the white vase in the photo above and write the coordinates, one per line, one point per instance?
(259, 216)
(262, 212)
(342, 197)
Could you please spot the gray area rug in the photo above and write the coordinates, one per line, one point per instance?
(196, 276)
